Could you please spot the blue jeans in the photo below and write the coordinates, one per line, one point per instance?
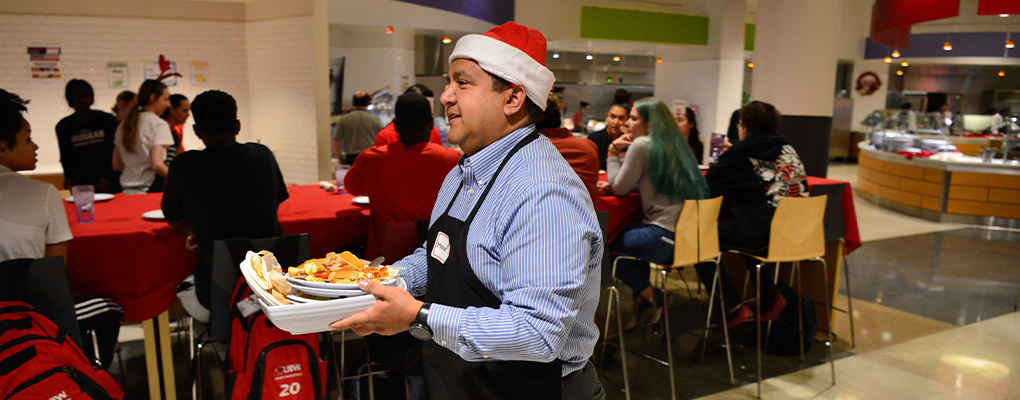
(634, 241)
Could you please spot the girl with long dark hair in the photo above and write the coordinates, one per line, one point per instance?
(142, 139)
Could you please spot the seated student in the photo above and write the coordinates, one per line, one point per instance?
(33, 223)
(616, 125)
(389, 134)
(660, 165)
(228, 190)
(752, 176)
(581, 154)
(141, 141)
(85, 139)
(688, 124)
(402, 179)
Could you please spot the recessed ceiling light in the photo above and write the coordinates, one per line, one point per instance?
(616, 58)
(1003, 15)
(556, 55)
(589, 57)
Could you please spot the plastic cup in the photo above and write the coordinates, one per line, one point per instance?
(987, 153)
(84, 202)
(339, 172)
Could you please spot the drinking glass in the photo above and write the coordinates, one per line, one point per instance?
(84, 202)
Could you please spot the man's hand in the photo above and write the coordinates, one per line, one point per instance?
(392, 314)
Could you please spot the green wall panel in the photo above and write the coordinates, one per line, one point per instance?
(643, 26)
(748, 37)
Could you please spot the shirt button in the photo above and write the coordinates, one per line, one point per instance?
(485, 356)
(444, 343)
(472, 190)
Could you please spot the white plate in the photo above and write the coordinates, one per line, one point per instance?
(154, 215)
(98, 197)
(331, 293)
(315, 316)
(335, 286)
(702, 167)
(363, 200)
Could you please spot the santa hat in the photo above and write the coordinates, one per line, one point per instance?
(513, 52)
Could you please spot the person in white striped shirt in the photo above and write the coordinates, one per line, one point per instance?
(512, 261)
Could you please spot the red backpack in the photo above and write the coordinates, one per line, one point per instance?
(38, 361)
(266, 362)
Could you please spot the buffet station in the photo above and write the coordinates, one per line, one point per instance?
(928, 175)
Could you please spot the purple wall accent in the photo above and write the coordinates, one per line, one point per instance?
(965, 44)
(495, 11)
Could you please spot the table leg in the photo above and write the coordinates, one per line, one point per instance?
(159, 360)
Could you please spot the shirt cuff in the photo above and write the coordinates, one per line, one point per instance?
(445, 324)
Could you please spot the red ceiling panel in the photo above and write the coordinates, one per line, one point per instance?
(891, 19)
(996, 7)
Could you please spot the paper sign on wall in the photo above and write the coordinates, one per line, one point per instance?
(117, 75)
(44, 63)
(679, 106)
(152, 71)
(199, 73)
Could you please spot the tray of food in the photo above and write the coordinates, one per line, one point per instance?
(301, 303)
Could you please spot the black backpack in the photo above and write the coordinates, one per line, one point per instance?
(783, 340)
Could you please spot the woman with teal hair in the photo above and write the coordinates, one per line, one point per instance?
(654, 159)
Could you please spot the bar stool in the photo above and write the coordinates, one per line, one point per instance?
(696, 240)
(797, 234)
(835, 229)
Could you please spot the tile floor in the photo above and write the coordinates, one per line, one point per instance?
(934, 320)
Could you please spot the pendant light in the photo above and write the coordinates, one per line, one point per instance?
(616, 58)
(947, 46)
(750, 65)
(658, 60)
(904, 64)
(1010, 44)
(896, 54)
(446, 39)
(1002, 72)
(888, 60)
(899, 73)
(389, 30)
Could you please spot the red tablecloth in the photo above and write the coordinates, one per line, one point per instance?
(139, 263)
(626, 209)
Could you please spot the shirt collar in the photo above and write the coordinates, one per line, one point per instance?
(4, 170)
(479, 167)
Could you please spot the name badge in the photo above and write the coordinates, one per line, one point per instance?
(441, 250)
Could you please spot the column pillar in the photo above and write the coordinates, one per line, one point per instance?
(795, 70)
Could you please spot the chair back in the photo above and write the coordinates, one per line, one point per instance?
(43, 284)
(697, 232)
(797, 231)
(290, 250)
(607, 262)
(835, 229)
(401, 238)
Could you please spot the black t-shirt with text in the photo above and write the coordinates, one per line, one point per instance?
(226, 193)
(86, 150)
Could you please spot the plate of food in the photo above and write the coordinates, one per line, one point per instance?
(328, 293)
(362, 200)
(338, 272)
(97, 197)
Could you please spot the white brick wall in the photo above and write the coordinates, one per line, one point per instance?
(88, 43)
(280, 65)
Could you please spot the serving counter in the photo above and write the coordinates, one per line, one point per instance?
(944, 191)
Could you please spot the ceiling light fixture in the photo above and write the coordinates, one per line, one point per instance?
(616, 58)
(389, 30)
(589, 57)
(750, 64)
(446, 39)
(1003, 15)
(896, 54)
(1002, 73)
(904, 64)
(888, 60)
(556, 55)
(1010, 44)
(658, 60)
(899, 73)
(947, 46)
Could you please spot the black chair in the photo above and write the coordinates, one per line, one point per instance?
(835, 229)
(43, 284)
(290, 250)
(609, 283)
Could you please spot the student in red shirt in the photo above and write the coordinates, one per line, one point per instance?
(389, 134)
(581, 154)
(402, 179)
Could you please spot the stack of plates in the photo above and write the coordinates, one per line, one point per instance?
(302, 291)
(316, 316)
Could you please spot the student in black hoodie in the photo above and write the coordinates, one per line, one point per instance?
(752, 176)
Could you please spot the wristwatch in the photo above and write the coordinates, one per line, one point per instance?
(420, 327)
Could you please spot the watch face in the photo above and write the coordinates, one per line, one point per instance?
(420, 332)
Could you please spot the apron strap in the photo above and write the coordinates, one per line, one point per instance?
(524, 142)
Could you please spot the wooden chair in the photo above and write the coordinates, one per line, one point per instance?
(797, 234)
(696, 240)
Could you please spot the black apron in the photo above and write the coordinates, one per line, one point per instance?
(454, 283)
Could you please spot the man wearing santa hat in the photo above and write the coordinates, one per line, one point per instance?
(511, 265)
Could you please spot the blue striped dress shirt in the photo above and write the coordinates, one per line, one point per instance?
(535, 244)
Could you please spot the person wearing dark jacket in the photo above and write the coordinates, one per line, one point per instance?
(752, 176)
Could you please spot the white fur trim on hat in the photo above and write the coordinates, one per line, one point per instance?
(507, 62)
